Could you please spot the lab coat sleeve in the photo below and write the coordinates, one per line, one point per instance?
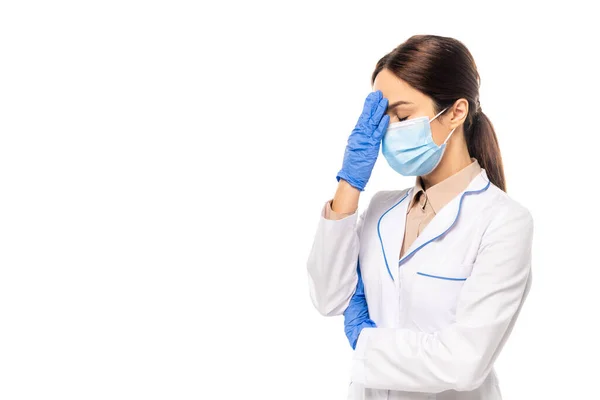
(356, 316)
(460, 356)
(332, 263)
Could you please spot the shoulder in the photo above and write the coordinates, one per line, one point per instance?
(505, 213)
(385, 200)
(389, 198)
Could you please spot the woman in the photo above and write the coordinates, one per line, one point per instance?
(430, 279)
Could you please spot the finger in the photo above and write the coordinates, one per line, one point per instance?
(371, 101)
(381, 109)
(381, 128)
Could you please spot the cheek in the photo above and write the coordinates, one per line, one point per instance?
(439, 134)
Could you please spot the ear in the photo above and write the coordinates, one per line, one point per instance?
(458, 113)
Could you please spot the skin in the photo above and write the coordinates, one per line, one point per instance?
(456, 156)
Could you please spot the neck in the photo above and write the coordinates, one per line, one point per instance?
(456, 157)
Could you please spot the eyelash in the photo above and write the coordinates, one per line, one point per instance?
(401, 119)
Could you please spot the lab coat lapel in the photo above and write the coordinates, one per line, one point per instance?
(445, 219)
(390, 229)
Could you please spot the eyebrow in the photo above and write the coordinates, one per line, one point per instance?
(396, 104)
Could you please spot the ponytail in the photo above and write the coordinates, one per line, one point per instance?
(482, 144)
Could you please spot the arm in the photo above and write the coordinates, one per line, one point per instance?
(460, 356)
(334, 254)
(356, 316)
(332, 261)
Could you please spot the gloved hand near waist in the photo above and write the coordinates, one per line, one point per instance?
(363, 144)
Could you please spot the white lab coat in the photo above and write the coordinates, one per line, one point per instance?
(443, 311)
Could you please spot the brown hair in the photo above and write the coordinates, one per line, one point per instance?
(444, 69)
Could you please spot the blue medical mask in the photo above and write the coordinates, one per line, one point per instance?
(409, 148)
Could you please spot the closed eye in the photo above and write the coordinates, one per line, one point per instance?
(401, 119)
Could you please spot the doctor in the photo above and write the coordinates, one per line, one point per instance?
(430, 279)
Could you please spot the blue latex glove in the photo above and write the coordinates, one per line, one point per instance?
(356, 316)
(364, 141)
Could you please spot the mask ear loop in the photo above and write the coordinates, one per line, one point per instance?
(438, 114)
(448, 138)
(451, 132)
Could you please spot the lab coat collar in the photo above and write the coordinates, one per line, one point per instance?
(391, 224)
(390, 229)
(445, 219)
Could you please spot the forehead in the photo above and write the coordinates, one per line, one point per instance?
(394, 88)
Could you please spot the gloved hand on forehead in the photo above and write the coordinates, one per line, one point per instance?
(364, 141)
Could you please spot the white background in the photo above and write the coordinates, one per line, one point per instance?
(163, 166)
